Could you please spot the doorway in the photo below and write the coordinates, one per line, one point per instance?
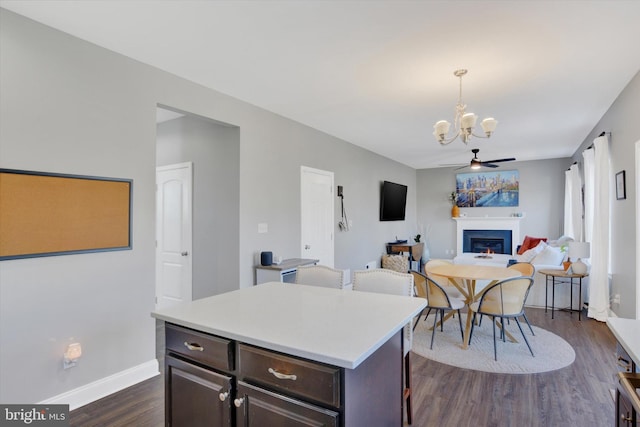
(213, 149)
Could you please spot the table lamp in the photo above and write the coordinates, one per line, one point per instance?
(578, 250)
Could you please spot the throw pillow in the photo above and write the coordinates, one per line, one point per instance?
(530, 242)
(530, 254)
(551, 255)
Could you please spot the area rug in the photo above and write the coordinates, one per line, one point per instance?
(551, 352)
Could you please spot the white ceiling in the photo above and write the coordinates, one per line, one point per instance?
(379, 74)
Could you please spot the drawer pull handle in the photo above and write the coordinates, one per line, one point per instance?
(626, 418)
(223, 396)
(623, 363)
(238, 402)
(281, 376)
(194, 346)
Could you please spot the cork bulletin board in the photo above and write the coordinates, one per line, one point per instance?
(45, 214)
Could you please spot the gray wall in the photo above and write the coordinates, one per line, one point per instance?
(622, 121)
(69, 106)
(214, 150)
(541, 201)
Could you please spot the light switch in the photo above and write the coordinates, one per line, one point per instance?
(263, 227)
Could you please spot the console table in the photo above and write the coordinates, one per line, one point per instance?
(283, 272)
(414, 249)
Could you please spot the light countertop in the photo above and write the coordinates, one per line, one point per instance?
(627, 332)
(338, 327)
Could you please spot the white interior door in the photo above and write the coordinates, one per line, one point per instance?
(317, 215)
(173, 234)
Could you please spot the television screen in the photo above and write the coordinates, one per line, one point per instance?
(393, 201)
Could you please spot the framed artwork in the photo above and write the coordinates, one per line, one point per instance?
(45, 214)
(621, 186)
(488, 189)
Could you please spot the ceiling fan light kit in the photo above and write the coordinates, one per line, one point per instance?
(464, 122)
(476, 163)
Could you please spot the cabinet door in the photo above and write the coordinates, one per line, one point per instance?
(257, 407)
(196, 396)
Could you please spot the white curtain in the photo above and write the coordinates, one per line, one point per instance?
(597, 229)
(573, 203)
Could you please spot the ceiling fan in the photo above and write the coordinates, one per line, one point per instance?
(476, 163)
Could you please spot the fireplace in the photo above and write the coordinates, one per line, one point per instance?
(496, 234)
(483, 241)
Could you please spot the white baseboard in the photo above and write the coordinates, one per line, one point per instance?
(98, 389)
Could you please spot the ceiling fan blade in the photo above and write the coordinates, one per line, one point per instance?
(488, 165)
(462, 167)
(500, 160)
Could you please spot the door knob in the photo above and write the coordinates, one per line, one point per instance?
(185, 253)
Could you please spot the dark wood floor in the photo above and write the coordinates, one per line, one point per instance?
(578, 395)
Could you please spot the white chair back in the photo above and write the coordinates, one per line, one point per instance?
(320, 275)
(384, 281)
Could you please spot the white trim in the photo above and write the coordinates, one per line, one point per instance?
(98, 389)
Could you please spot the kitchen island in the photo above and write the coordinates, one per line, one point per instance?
(287, 354)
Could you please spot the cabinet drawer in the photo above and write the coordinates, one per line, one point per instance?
(295, 376)
(206, 349)
(625, 363)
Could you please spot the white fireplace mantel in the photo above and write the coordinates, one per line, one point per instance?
(488, 223)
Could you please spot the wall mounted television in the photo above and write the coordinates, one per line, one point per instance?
(393, 201)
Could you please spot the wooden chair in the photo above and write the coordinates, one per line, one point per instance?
(437, 299)
(503, 300)
(527, 270)
(386, 281)
(320, 275)
(442, 281)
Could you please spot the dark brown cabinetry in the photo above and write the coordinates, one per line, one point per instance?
(258, 407)
(215, 381)
(196, 396)
(627, 414)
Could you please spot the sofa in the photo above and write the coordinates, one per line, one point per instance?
(549, 255)
(544, 254)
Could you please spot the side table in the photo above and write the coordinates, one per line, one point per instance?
(414, 249)
(562, 275)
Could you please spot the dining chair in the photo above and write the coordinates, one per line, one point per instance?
(503, 300)
(442, 281)
(320, 275)
(392, 282)
(437, 299)
(528, 270)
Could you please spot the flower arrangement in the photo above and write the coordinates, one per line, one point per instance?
(453, 198)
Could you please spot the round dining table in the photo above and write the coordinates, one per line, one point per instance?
(464, 277)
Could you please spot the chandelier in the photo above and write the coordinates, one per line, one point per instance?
(464, 122)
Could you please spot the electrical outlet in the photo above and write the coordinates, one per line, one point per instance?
(616, 299)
